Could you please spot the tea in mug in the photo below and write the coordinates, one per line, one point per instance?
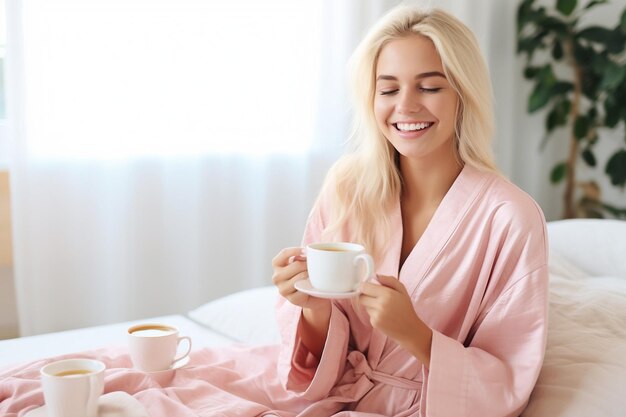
(334, 250)
(151, 330)
(72, 372)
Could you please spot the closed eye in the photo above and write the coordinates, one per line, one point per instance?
(429, 90)
(387, 92)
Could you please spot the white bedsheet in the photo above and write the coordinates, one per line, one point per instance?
(25, 349)
(584, 371)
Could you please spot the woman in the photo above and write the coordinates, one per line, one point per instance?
(456, 324)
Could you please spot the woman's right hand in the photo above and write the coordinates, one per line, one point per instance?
(289, 267)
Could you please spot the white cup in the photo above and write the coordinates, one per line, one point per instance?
(334, 267)
(153, 346)
(71, 387)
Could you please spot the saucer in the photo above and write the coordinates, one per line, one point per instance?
(177, 365)
(304, 285)
(113, 404)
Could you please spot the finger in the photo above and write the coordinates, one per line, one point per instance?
(370, 289)
(285, 283)
(298, 298)
(282, 258)
(367, 301)
(391, 282)
(287, 272)
(298, 277)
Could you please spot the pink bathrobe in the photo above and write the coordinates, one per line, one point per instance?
(477, 277)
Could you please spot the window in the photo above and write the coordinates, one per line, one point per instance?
(130, 78)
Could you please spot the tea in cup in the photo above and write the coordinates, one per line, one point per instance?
(338, 267)
(71, 387)
(153, 346)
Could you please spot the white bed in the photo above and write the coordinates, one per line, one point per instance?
(244, 317)
(584, 372)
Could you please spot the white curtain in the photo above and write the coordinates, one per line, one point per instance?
(163, 153)
(165, 150)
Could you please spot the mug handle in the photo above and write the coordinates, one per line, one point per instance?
(96, 388)
(369, 265)
(184, 355)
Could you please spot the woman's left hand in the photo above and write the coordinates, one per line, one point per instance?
(390, 308)
(391, 311)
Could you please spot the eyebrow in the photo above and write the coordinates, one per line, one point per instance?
(417, 77)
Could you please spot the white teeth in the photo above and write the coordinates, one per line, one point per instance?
(406, 127)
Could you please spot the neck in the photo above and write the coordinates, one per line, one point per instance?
(426, 182)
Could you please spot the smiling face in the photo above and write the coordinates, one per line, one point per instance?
(415, 105)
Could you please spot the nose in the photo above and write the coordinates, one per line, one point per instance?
(408, 102)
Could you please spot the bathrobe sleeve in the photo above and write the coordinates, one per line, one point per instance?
(299, 370)
(493, 371)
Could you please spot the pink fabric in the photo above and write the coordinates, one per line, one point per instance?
(234, 381)
(478, 278)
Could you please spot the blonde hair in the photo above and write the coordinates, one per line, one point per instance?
(364, 184)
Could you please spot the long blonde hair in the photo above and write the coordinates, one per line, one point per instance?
(364, 184)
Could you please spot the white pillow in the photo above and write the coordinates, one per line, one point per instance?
(584, 370)
(245, 316)
(597, 246)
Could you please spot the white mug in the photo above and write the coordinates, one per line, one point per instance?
(153, 346)
(334, 267)
(71, 387)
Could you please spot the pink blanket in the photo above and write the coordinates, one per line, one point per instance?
(197, 389)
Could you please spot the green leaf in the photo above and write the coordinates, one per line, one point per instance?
(531, 72)
(552, 120)
(620, 102)
(557, 50)
(615, 211)
(589, 157)
(611, 111)
(592, 113)
(539, 97)
(524, 14)
(612, 76)
(524, 45)
(566, 6)
(583, 54)
(596, 34)
(529, 45)
(558, 115)
(617, 42)
(555, 25)
(590, 82)
(622, 23)
(599, 61)
(562, 87)
(616, 168)
(536, 41)
(544, 89)
(566, 106)
(558, 173)
(581, 127)
(595, 3)
(546, 75)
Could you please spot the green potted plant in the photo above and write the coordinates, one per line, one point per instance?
(591, 96)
